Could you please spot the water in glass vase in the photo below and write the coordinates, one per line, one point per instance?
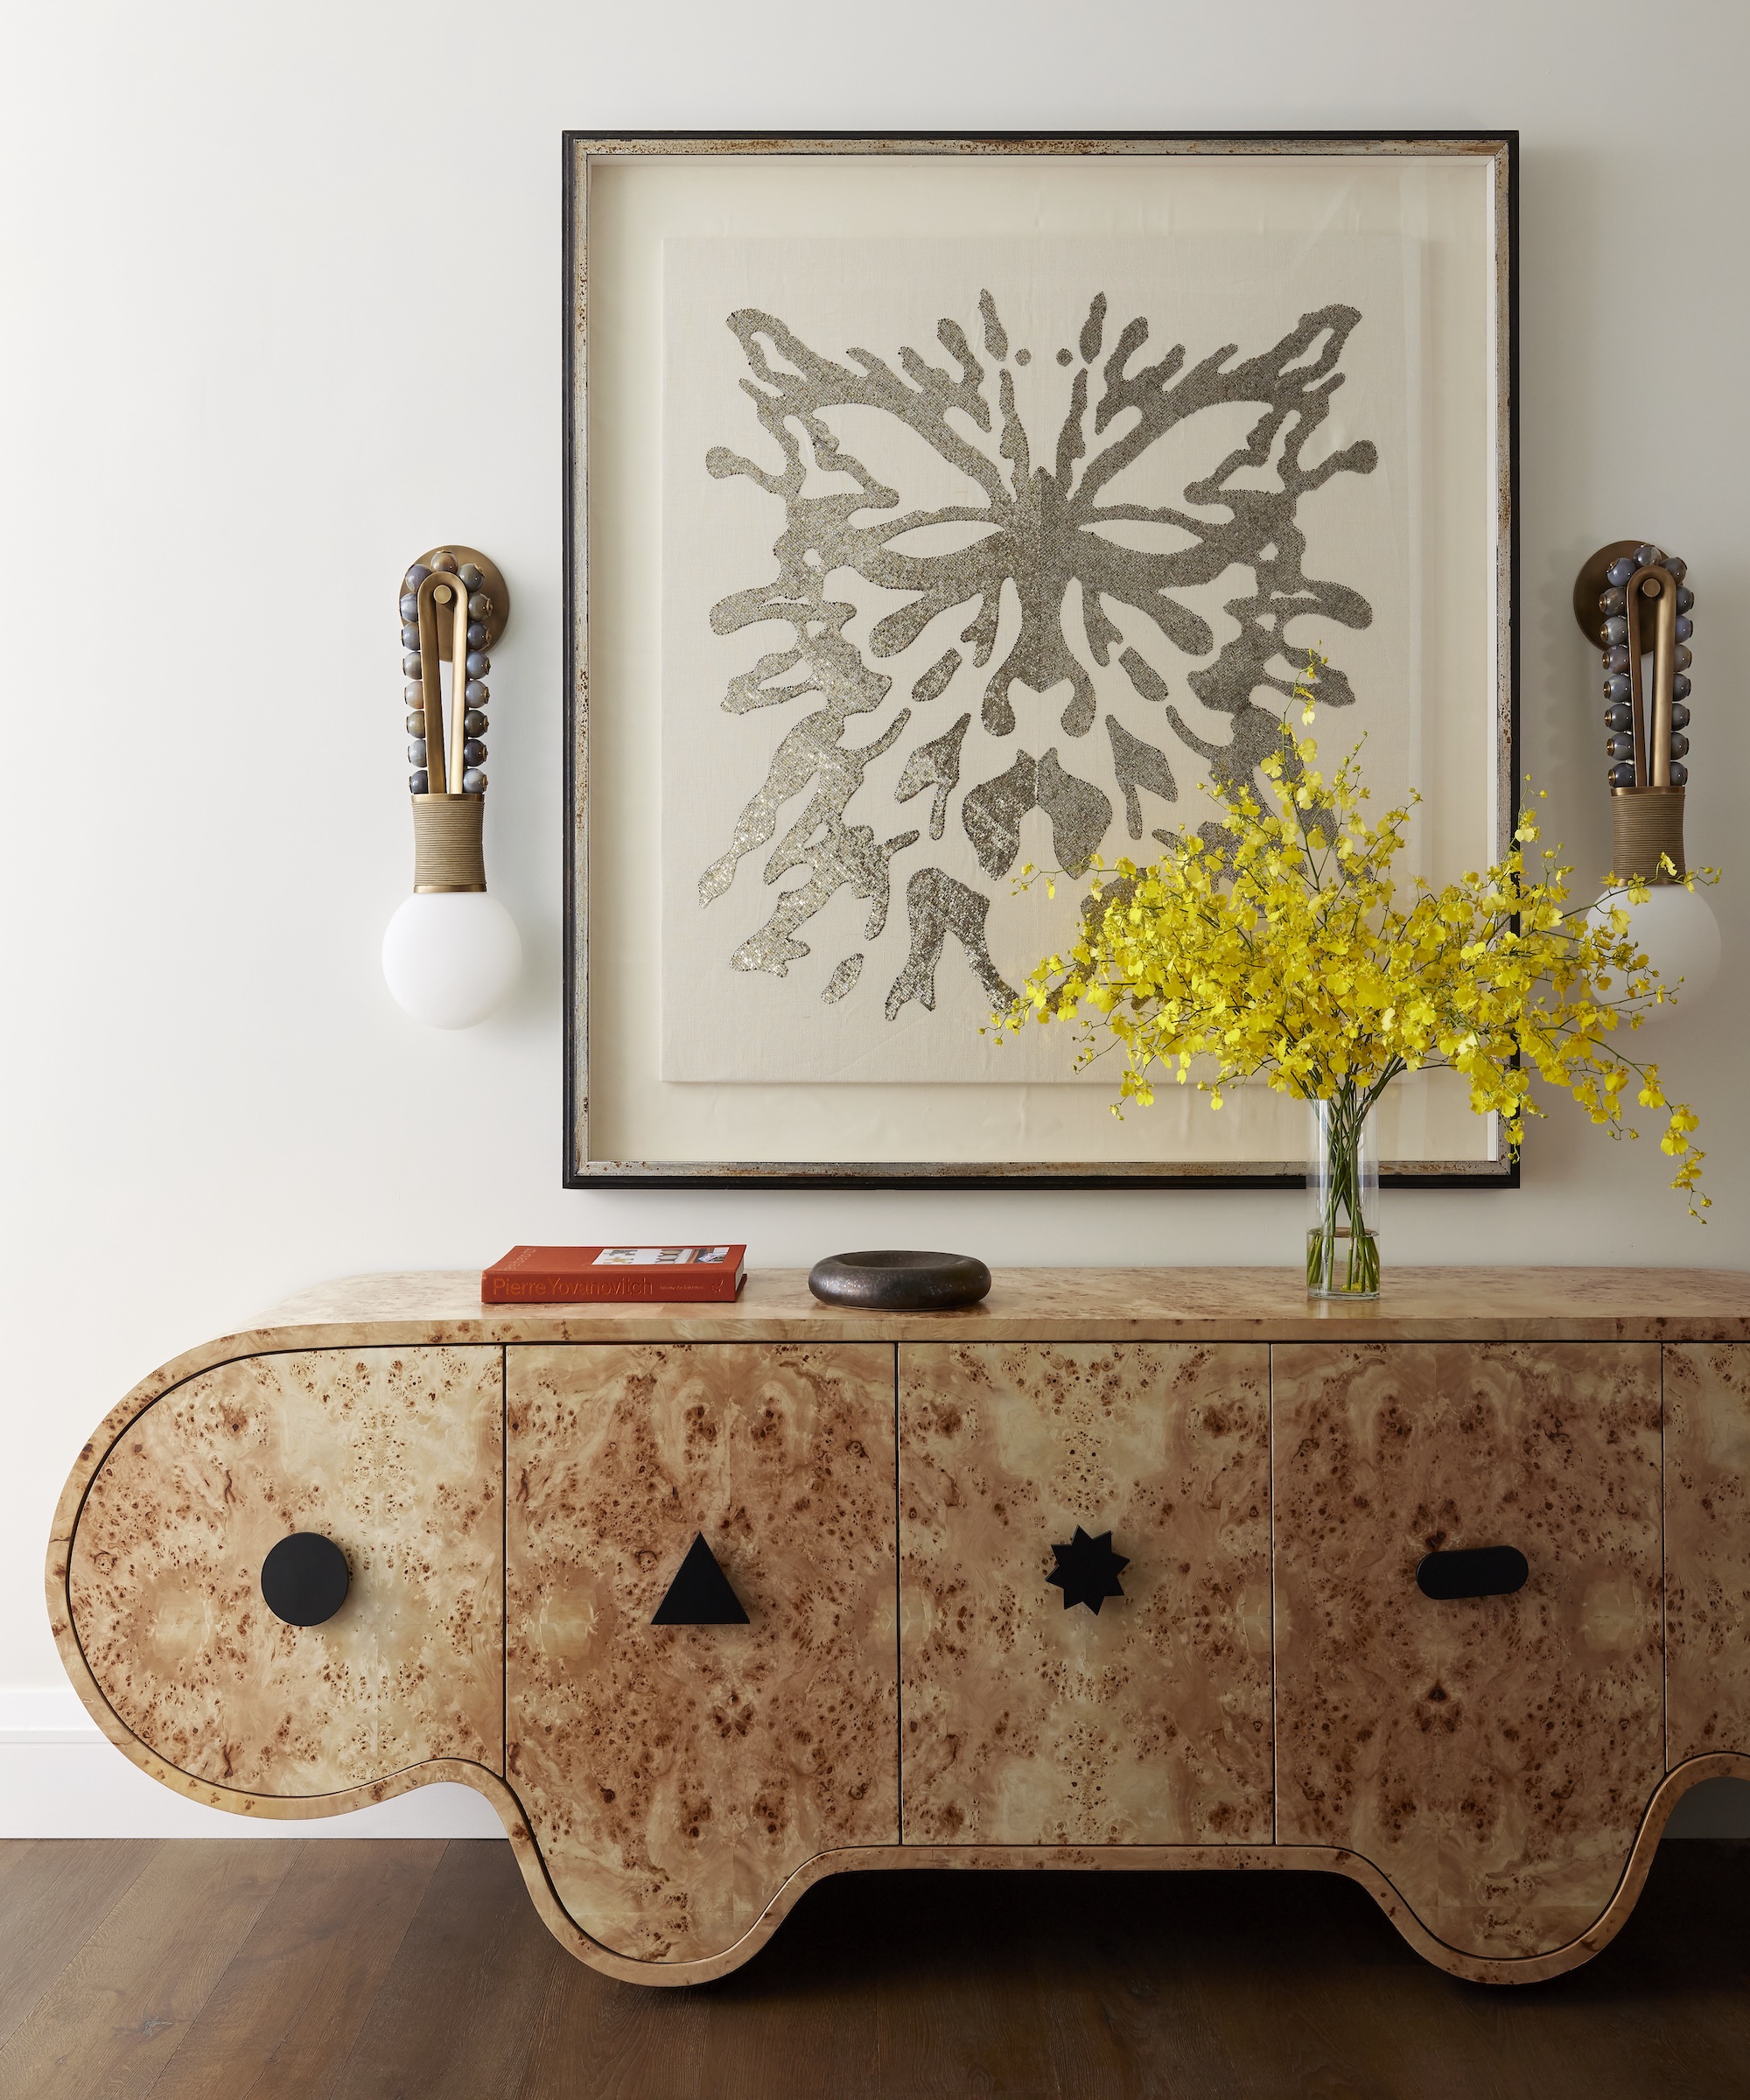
(1342, 1198)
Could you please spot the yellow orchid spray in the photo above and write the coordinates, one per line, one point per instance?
(1284, 951)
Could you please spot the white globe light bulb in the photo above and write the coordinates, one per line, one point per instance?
(1678, 932)
(451, 955)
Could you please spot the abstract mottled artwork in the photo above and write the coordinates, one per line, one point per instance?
(1034, 539)
(973, 516)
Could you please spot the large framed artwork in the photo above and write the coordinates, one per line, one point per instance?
(936, 507)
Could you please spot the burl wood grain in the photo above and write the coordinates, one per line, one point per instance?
(1492, 1757)
(1024, 1723)
(674, 1776)
(396, 1454)
(1707, 1549)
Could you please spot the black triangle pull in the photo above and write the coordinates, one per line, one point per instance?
(700, 1594)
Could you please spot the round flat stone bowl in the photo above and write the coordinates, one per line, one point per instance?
(899, 1279)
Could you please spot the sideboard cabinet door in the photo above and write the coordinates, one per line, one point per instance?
(393, 1454)
(676, 1775)
(1707, 1548)
(1492, 1755)
(1027, 1717)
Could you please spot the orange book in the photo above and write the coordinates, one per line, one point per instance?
(548, 1276)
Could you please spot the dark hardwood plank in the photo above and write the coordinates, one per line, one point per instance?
(812, 2025)
(457, 2012)
(116, 2012)
(983, 2032)
(1123, 2016)
(282, 2018)
(243, 1971)
(616, 2041)
(54, 1893)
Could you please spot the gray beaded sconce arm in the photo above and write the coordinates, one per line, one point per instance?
(1630, 599)
(454, 604)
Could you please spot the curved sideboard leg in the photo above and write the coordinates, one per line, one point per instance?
(1536, 1969)
(1156, 1858)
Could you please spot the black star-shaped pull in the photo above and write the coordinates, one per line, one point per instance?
(1087, 1570)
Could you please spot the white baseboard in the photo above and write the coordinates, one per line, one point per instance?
(60, 1778)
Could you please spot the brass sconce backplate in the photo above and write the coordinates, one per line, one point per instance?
(493, 584)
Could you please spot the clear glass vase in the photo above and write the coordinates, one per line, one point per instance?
(1342, 1198)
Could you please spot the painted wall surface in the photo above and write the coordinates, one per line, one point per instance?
(281, 300)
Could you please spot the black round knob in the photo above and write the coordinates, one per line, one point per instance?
(304, 1578)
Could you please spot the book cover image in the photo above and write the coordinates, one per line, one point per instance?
(583, 1275)
(659, 1257)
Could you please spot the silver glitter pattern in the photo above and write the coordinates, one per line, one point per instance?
(1080, 815)
(992, 814)
(940, 905)
(843, 856)
(1041, 522)
(1138, 764)
(935, 765)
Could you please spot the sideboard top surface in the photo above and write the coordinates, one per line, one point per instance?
(400, 1310)
(1056, 1304)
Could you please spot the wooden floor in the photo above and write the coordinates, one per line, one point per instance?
(308, 1968)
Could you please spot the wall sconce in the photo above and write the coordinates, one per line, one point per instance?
(1631, 600)
(452, 952)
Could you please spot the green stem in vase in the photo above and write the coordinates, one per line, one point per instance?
(1342, 1214)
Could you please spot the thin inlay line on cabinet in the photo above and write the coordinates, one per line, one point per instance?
(392, 1453)
(1707, 1548)
(1494, 1756)
(675, 1776)
(1026, 1724)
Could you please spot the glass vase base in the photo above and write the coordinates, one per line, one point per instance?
(1343, 1264)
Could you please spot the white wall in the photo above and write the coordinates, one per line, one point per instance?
(230, 363)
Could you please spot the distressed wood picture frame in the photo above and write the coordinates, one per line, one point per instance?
(992, 441)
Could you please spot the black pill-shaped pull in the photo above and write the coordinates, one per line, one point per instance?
(1472, 1571)
(304, 1578)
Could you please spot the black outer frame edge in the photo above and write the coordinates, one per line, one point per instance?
(1512, 138)
(832, 1177)
(829, 1177)
(1514, 784)
(567, 1175)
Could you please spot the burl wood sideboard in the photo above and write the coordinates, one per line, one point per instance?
(1135, 1569)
